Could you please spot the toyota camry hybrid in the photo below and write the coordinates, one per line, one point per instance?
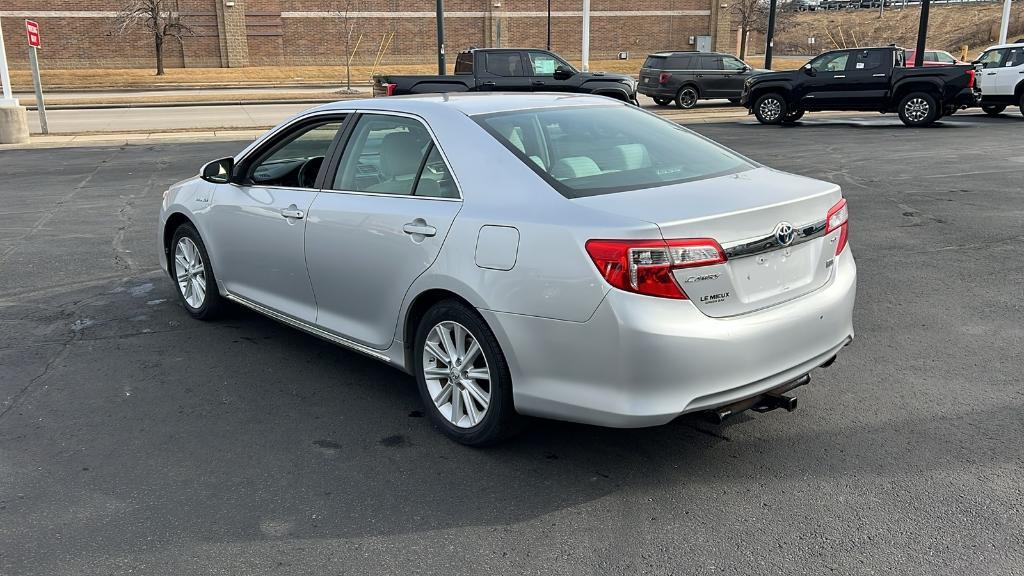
(553, 255)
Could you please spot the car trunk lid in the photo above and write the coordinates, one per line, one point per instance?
(771, 226)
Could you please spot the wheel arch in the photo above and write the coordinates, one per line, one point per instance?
(931, 87)
(173, 222)
(759, 90)
(613, 93)
(417, 308)
(1019, 90)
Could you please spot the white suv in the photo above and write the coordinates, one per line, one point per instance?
(1002, 78)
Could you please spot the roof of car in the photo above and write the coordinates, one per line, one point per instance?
(677, 52)
(1010, 45)
(470, 103)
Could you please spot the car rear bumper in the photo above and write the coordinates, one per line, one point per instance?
(656, 91)
(642, 361)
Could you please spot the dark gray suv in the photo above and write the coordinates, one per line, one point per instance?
(686, 77)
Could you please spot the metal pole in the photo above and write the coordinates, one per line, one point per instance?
(440, 38)
(922, 33)
(5, 76)
(586, 36)
(1004, 27)
(33, 57)
(881, 8)
(549, 24)
(770, 36)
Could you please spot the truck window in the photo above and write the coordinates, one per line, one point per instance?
(503, 63)
(868, 60)
(464, 63)
(544, 64)
(833, 62)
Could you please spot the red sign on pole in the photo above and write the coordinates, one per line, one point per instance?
(32, 30)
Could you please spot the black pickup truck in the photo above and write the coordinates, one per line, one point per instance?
(510, 70)
(862, 79)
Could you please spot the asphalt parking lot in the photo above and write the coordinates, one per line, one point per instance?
(136, 440)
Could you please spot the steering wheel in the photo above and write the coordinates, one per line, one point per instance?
(306, 176)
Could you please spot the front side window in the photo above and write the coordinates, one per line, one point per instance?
(296, 160)
(992, 58)
(543, 64)
(944, 58)
(593, 150)
(835, 62)
(731, 63)
(393, 155)
(504, 63)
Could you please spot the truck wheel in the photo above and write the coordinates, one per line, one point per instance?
(994, 109)
(687, 97)
(1021, 106)
(662, 101)
(918, 109)
(770, 109)
(793, 116)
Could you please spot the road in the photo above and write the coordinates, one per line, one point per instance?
(134, 439)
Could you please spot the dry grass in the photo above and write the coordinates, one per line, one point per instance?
(240, 98)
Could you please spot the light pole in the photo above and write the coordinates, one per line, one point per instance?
(1004, 27)
(549, 24)
(922, 33)
(770, 36)
(440, 38)
(586, 36)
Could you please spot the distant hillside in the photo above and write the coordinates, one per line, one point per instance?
(950, 27)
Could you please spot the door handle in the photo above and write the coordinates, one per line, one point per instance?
(538, 82)
(993, 73)
(420, 227)
(878, 75)
(840, 76)
(293, 212)
(489, 84)
(699, 75)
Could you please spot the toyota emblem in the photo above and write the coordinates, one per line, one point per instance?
(784, 233)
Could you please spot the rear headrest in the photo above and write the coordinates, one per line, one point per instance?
(400, 155)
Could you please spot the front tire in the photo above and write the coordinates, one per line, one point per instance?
(994, 109)
(193, 274)
(1021, 104)
(662, 101)
(770, 108)
(687, 97)
(462, 375)
(918, 109)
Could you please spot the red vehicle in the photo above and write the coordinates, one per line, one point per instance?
(933, 58)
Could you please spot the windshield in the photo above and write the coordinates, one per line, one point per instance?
(587, 151)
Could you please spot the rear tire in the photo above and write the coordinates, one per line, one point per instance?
(662, 101)
(192, 274)
(770, 108)
(687, 97)
(474, 406)
(994, 109)
(918, 109)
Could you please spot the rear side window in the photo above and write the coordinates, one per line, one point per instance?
(710, 63)
(464, 63)
(868, 60)
(656, 62)
(588, 151)
(931, 57)
(504, 64)
(1014, 57)
(680, 63)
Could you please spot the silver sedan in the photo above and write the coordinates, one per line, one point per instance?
(561, 256)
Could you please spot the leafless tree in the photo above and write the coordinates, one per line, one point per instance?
(752, 16)
(345, 13)
(160, 17)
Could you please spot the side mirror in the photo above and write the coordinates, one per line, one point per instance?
(563, 73)
(809, 70)
(746, 68)
(218, 171)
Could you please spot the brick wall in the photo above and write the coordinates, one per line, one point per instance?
(79, 33)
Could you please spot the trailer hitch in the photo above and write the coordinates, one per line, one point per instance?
(765, 402)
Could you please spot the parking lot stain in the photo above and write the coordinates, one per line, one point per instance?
(394, 441)
(141, 289)
(328, 444)
(416, 414)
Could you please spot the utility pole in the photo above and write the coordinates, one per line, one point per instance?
(440, 38)
(586, 36)
(549, 24)
(770, 36)
(922, 33)
(1005, 26)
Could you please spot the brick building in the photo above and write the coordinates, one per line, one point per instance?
(230, 33)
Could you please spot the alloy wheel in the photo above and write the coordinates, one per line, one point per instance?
(457, 375)
(916, 109)
(190, 272)
(771, 109)
(688, 98)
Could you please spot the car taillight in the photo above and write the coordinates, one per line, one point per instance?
(972, 73)
(645, 266)
(663, 77)
(389, 89)
(838, 219)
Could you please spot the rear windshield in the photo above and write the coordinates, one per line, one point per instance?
(593, 150)
(657, 62)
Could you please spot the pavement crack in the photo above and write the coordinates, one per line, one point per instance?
(47, 370)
